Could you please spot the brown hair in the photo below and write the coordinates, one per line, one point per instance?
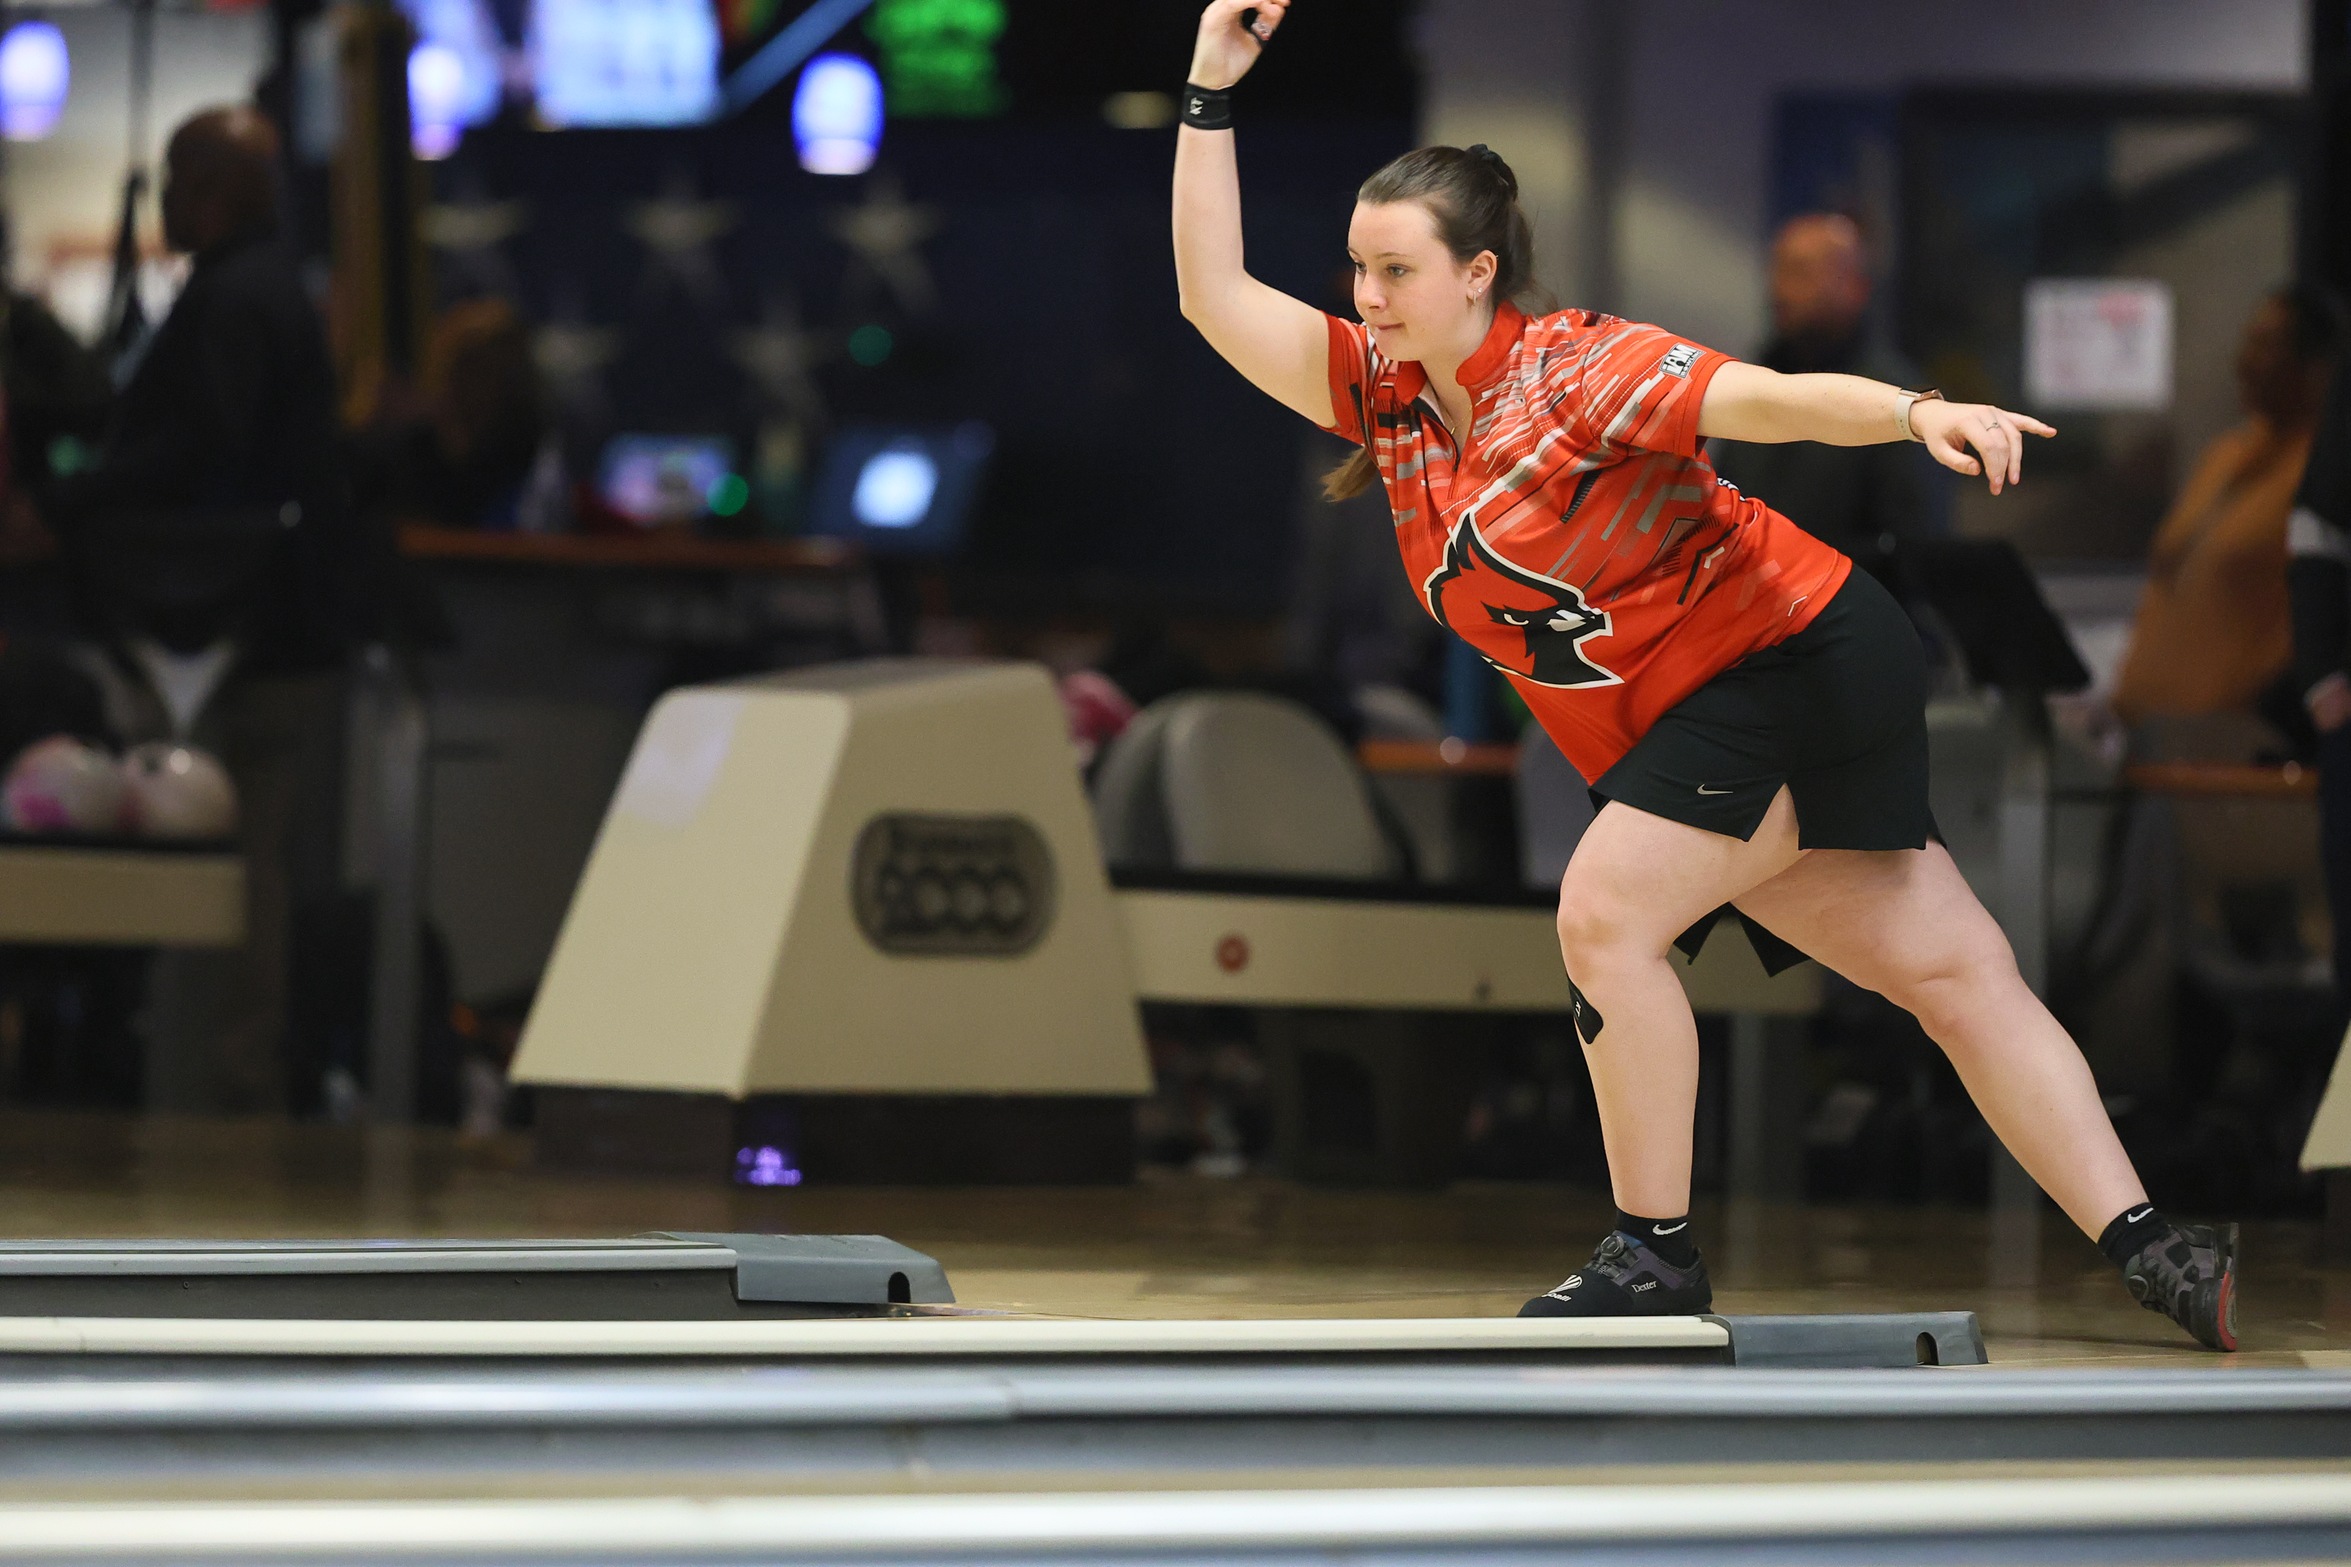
(1473, 196)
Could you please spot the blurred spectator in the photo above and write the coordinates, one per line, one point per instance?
(216, 505)
(213, 533)
(2319, 586)
(2212, 630)
(1353, 614)
(56, 393)
(465, 459)
(1865, 500)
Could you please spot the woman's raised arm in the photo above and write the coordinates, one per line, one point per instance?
(1281, 344)
(1750, 403)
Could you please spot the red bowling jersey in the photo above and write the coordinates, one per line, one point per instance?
(1579, 541)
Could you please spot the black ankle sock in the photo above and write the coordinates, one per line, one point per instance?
(2131, 1232)
(1669, 1238)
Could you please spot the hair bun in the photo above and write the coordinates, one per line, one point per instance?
(1493, 160)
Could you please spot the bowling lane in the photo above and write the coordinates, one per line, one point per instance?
(1180, 1247)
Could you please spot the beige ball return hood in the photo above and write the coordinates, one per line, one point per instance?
(873, 878)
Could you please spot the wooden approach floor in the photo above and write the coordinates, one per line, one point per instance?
(1176, 1246)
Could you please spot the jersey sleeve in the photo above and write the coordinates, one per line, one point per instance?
(1638, 388)
(1350, 371)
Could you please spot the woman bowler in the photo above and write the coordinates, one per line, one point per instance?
(1751, 709)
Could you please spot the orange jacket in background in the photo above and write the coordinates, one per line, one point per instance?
(2212, 630)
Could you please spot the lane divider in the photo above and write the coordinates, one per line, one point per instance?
(976, 1337)
(802, 1528)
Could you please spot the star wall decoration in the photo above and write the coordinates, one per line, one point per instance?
(886, 232)
(470, 234)
(780, 356)
(571, 354)
(678, 230)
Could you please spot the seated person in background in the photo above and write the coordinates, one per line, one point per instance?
(1865, 501)
(2212, 631)
(463, 459)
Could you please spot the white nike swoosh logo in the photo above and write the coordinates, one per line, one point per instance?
(1674, 1229)
(2133, 1218)
(1702, 789)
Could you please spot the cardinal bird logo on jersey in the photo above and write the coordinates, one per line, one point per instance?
(1476, 587)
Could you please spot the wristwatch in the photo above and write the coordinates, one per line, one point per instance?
(1904, 402)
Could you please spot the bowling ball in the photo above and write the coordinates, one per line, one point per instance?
(1098, 711)
(178, 792)
(63, 785)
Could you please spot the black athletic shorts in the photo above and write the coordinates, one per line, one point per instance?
(1837, 713)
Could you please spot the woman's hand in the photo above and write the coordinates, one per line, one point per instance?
(1745, 402)
(1949, 429)
(1227, 48)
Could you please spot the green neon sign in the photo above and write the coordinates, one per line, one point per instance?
(939, 56)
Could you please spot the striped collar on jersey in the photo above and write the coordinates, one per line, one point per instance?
(1481, 369)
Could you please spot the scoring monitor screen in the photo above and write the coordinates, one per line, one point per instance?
(624, 62)
(664, 480)
(903, 489)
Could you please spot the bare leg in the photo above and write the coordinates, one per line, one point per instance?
(1636, 882)
(1906, 925)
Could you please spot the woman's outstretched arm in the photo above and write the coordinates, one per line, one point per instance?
(1750, 403)
(1281, 344)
